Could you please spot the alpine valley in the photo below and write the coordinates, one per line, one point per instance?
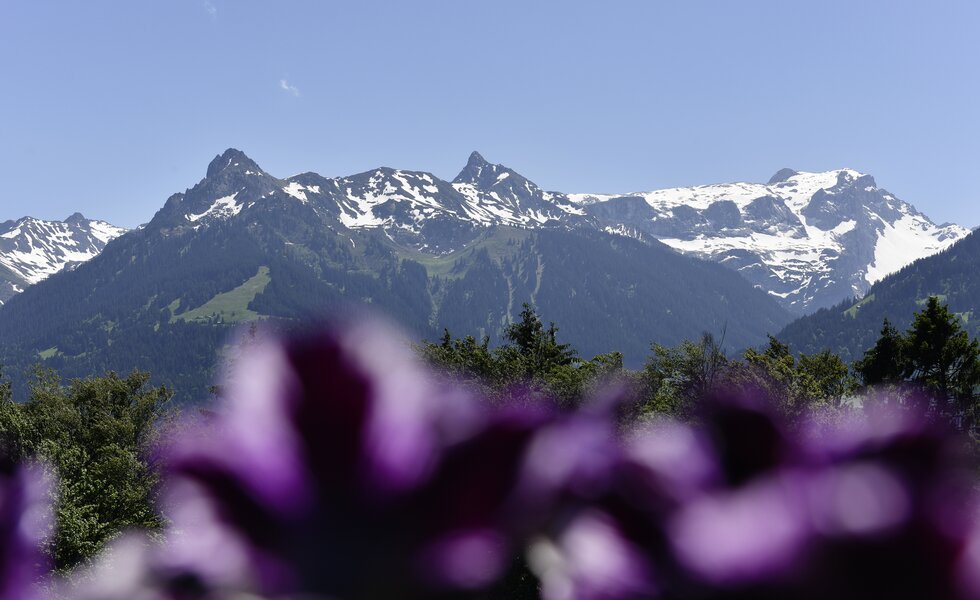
(616, 272)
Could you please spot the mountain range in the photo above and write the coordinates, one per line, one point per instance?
(808, 239)
(617, 272)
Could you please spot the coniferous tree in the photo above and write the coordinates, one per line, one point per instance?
(532, 358)
(538, 347)
(936, 355)
(885, 362)
(943, 359)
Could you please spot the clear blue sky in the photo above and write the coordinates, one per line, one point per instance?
(110, 107)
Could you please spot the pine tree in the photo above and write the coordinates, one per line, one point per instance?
(885, 362)
(538, 347)
(943, 359)
(532, 358)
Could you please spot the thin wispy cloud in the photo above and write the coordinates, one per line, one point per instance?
(211, 8)
(288, 88)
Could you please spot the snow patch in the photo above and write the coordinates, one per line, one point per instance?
(296, 191)
(901, 244)
(222, 208)
(105, 232)
(844, 227)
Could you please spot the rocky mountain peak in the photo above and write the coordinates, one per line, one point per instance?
(486, 177)
(850, 177)
(76, 218)
(233, 181)
(476, 170)
(476, 160)
(782, 175)
(234, 161)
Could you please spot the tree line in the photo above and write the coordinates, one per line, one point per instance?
(934, 367)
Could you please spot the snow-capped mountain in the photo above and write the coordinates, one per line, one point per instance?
(413, 208)
(808, 239)
(497, 194)
(33, 249)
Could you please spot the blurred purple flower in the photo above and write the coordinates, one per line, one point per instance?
(24, 526)
(743, 506)
(342, 468)
(747, 534)
(591, 558)
(588, 542)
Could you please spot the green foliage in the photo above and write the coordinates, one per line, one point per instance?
(535, 348)
(936, 354)
(532, 357)
(96, 434)
(829, 375)
(796, 384)
(884, 362)
(465, 357)
(940, 355)
(674, 381)
(678, 379)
